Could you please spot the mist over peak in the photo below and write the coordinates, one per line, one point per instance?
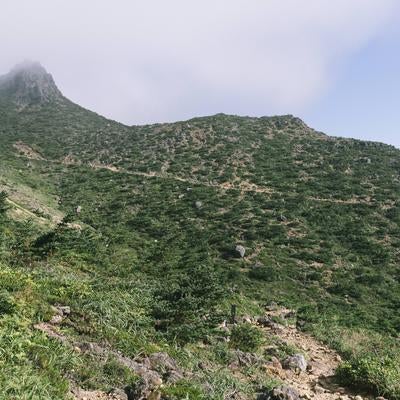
(28, 83)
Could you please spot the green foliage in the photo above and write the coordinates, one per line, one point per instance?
(183, 390)
(7, 304)
(246, 337)
(371, 372)
(144, 269)
(3, 204)
(186, 304)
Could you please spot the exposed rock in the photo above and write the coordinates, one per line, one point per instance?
(240, 250)
(276, 363)
(65, 310)
(118, 394)
(318, 389)
(247, 359)
(247, 319)
(162, 362)
(283, 392)
(56, 319)
(60, 312)
(287, 314)
(198, 204)
(174, 376)
(265, 321)
(297, 363)
(29, 83)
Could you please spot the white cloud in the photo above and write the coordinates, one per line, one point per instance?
(153, 60)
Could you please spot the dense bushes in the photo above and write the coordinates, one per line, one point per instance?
(318, 221)
(186, 304)
(372, 372)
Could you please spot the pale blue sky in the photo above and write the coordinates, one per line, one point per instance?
(333, 63)
(364, 100)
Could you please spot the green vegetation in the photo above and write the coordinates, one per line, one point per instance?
(246, 337)
(145, 267)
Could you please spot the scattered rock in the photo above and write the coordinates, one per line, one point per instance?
(358, 397)
(240, 250)
(318, 389)
(56, 319)
(198, 204)
(265, 321)
(56, 310)
(65, 310)
(283, 392)
(78, 209)
(247, 359)
(118, 394)
(287, 314)
(276, 363)
(165, 365)
(341, 390)
(297, 363)
(59, 313)
(247, 319)
(162, 362)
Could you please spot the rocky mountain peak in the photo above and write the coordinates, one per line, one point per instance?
(28, 83)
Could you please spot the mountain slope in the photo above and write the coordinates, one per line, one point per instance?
(136, 230)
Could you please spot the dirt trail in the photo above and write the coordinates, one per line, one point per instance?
(242, 186)
(27, 212)
(318, 382)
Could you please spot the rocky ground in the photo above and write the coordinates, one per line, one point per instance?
(308, 374)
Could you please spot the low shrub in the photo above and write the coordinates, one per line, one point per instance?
(246, 337)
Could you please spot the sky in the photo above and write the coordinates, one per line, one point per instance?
(335, 64)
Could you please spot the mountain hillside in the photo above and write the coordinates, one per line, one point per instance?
(125, 250)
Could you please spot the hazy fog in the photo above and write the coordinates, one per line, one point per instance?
(157, 60)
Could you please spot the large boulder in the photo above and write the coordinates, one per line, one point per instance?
(297, 363)
(240, 250)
